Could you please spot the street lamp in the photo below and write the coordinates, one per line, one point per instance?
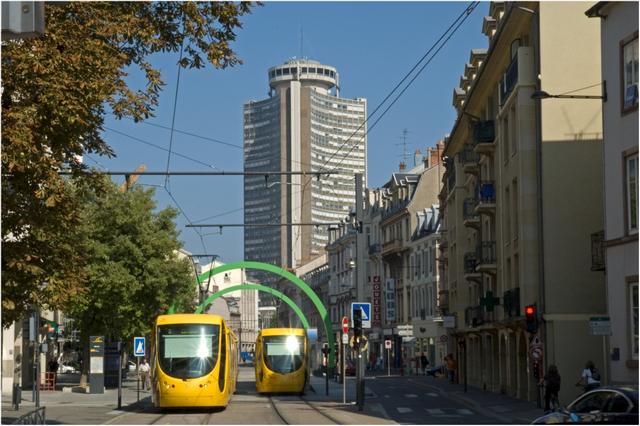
(541, 94)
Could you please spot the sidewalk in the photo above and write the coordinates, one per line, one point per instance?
(501, 407)
(79, 408)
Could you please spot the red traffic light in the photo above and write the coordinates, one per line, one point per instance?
(530, 310)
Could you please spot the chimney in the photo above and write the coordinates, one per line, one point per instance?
(402, 166)
(436, 154)
(417, 158)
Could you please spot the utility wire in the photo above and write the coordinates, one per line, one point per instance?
(468, 13)
(455, 26)
(220, 214)
(464, 14)
(173, 118)
(195, 160)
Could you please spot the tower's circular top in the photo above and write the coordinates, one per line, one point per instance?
(304, 70)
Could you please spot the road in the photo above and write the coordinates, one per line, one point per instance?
(414, 401)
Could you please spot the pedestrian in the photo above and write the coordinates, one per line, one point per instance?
(424, 363)
(452, 366)
(372, 361)
(551, 382)
(590, 377)
(145, 371)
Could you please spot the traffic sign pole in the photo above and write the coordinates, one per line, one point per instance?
(138, 374)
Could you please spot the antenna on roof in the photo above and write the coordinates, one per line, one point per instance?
(405, 154)
(301, 43)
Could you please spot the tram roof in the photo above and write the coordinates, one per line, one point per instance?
(189, 319)
(283, 332)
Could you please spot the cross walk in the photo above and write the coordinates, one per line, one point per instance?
(439, 412)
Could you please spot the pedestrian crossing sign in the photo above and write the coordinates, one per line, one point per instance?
(365, 308)
(138, 346)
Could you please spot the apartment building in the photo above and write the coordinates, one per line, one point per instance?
(401, 230)
(522, 196)
(619, 50)
(304, 126)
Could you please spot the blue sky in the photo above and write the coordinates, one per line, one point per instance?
(372, 44)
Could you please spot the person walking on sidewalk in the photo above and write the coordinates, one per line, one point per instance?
(452, 366)
(551, 382)
(145, 370)
(424, 363)
(590, 377)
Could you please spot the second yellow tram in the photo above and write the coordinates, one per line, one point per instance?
(281, 360)
(194, 361)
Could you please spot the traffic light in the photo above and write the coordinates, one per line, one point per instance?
(357, 323)
(531, 316)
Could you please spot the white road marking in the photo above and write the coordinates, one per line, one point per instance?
(387, 396)
(464, 411)
(432, 394)
(411, 395)
(403, 410)
(435, 411)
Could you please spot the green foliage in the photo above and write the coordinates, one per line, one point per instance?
(133, 271)
(55, 92)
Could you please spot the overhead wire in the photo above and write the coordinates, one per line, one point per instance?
(186, 157)
(467, 14)
(463, 15)
(173, 118)
(446, 35)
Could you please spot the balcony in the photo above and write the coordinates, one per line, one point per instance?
(473, 316)
(484, 136)
(486, 196)
(511, 303)
(519, 72)
(469, 159)
(392, 247)
(470, 265)
(470, 218)
(486, 257)
(509, 80)
(597, 251)
(374, 249)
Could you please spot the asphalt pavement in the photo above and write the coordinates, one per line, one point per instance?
(388, 400)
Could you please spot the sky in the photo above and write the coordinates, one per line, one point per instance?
(372, 45)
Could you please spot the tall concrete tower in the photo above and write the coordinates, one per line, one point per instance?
(302, 126)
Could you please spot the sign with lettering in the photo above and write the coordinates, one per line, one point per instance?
(377, 300)
(390, 297)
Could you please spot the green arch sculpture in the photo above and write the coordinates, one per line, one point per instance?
(258, 287)
(247, 264)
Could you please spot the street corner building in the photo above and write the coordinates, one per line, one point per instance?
(522, 202)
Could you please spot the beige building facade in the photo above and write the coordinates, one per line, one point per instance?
(619, 50)
(522, 195)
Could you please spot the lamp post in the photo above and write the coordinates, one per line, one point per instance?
(541, 94)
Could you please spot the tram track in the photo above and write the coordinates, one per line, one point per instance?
(305, 419)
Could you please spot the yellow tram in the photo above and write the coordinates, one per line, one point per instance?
(194, 361)
(281, 360)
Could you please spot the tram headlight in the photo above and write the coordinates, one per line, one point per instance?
(293, 346)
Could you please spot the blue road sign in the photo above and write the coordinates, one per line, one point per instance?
(138, 346)
(312, 334)
(366, 313)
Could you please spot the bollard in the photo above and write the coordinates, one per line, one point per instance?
(16, 396)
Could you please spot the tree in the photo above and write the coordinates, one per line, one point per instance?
(56, 91)
(133, 271)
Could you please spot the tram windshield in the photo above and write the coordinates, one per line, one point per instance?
(188, 351)
(283, 354)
